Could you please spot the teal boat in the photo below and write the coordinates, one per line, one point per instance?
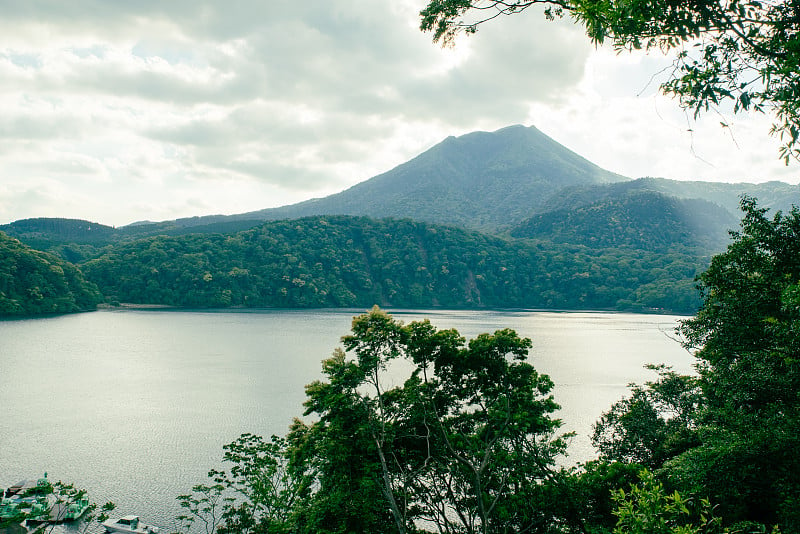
(35, 502)
(26, 500)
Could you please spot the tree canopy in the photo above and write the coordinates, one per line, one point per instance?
(746, 337)
(731, 432)
(414, 430)
(341, 261)
(33, 282)
(745, 53)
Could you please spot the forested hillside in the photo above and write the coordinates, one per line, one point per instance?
(772, 195)
(634, 219)
(567, 234)
(344, 261)
(33, 282)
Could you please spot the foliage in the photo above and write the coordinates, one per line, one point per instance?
(352, 261)
(580, 498)
(259, 494)
(33, 282)
(742, 52)
(647, 509)
(463, 445)
(747, 340)
(656, 422)
(415, 429)
(204, 505)
(732, 432)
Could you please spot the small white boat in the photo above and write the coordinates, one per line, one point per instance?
(129, 524)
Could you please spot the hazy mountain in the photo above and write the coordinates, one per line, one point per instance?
(480, 180)
(773, 195)
(639, 219)
(490, 181)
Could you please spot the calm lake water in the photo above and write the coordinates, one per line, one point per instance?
(135, 405)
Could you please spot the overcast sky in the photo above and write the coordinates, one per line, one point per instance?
(149, 110)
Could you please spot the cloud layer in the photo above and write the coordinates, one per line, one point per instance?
(122, 111)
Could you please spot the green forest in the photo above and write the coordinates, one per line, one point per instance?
(346, 261)
(33, 282)
(341, 261)
(470, 441)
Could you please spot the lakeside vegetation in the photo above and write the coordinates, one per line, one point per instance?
(469, 442)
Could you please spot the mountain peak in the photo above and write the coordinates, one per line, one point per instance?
(481, 180)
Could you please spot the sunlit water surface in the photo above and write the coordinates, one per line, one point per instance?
(136, 405)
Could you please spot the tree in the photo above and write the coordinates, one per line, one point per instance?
(732, 432)
(746, 337)
(463, 445)
(33, 282)
(744, 52)
(655, 423)
(259, 494)
(646, 508)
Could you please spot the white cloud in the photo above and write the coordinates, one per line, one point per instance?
(121, 111)
(617, 118)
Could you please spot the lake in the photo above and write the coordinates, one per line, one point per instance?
(135, 405)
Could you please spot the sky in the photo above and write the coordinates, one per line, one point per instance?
(117, 112)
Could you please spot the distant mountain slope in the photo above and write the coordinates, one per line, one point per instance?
(76, 240)
(33, 282)
(772, 195)
(639, 219)
(489, 181)
(43, 232)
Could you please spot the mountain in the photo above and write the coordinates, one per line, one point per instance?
(772, 195)
(487, 181)
(651, 213)
(492, 182)
(482, 180)
(639, 219)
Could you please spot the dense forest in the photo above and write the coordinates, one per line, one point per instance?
(34, 282)
(342, 261)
